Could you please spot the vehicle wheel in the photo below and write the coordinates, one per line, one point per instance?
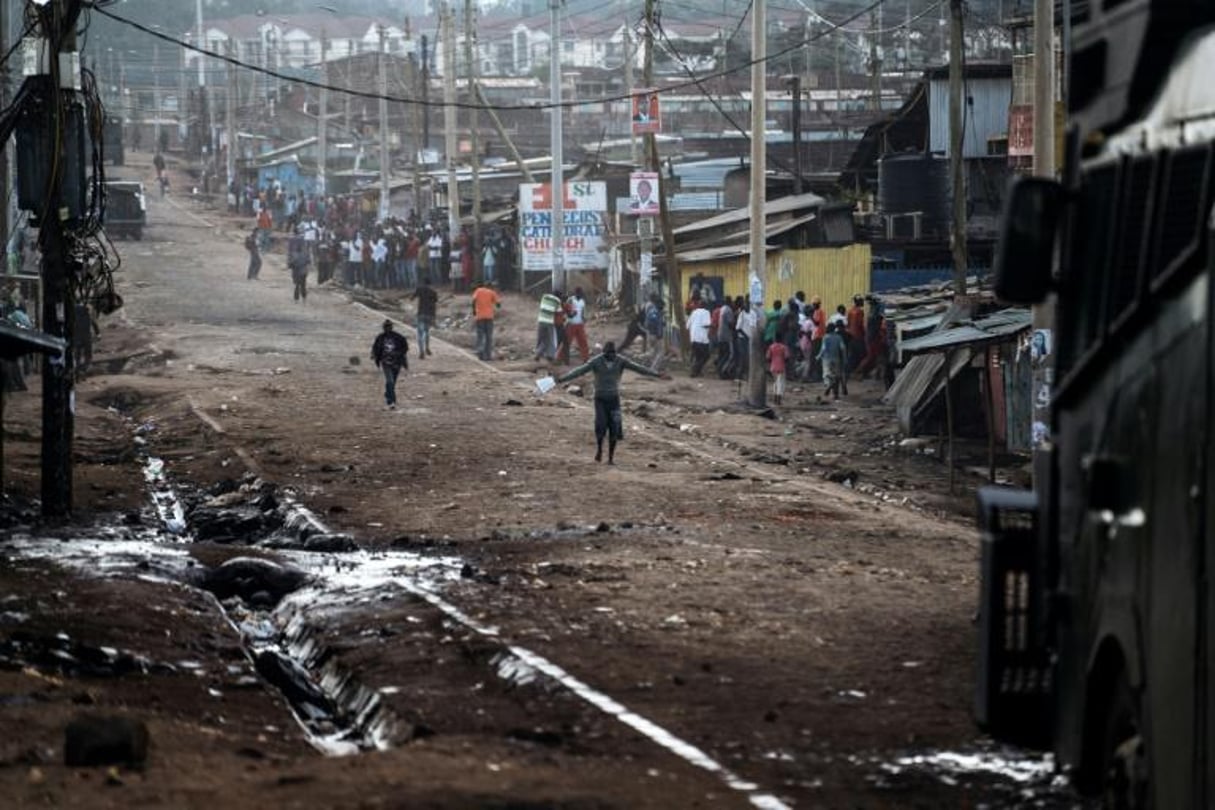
(1123, 765)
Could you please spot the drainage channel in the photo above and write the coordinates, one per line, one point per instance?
(283, 634)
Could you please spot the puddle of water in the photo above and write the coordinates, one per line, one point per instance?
(1016, 768)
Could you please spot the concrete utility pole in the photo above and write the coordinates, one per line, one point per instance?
(556, 136)
(385, 158)
(796, 93)
(470, 54)
(425, 93)
(449, 119)
(415, 119)
(957, 166)
(758, 377)
(155, 89)
(58, 299)
(322, 121)
(229, 119)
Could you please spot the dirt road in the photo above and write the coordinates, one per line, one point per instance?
(708, 623)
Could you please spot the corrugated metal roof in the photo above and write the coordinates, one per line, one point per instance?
(783, 205)
(920, 381)
(994, 328)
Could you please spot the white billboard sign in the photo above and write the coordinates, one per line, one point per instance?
(584, 224)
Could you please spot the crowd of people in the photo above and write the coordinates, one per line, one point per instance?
(344, 240)
(802, 341)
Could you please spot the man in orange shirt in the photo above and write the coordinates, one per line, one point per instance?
(485, 304)
(856, 332)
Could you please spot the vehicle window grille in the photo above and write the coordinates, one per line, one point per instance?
(1132, 231)
(1090, 246)
(1185, 203)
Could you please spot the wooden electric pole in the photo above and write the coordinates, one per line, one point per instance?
(654, 161)
(957, 165)
(470, 59)
(385, 155)
(630, 55)
(1044, 166)
(757, 378)
(875, 62)
(449, 121)
(58, 300)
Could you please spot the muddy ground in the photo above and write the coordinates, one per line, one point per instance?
(785, 603)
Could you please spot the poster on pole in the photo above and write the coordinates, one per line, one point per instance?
(584, 225)
(643, 194)
(647, 112)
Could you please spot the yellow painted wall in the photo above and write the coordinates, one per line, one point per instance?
(834, 274)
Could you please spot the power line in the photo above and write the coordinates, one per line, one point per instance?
(773, 56)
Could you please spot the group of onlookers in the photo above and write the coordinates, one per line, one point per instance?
(802, 340)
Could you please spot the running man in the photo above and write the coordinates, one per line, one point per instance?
(608, 368)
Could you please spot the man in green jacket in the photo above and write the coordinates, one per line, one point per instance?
(608, 368)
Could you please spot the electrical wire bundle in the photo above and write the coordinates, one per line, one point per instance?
(75, 129)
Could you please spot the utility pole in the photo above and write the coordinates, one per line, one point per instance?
(556, 137)
(58, 299)
(382, 60)
(415, 120)
(230, 120)
(322, 120)
(155, 89)
(449, 119)
(875, 61)
(957, 231)
(5, 174)
(796, 92)
(655, 165)
(630, 86)
(1044, 166)
(425, 93)
(470, 53)
(758, 376)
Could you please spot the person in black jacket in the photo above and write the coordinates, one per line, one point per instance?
(390, 351)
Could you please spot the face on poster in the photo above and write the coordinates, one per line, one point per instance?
(643, 193)
(647, 114)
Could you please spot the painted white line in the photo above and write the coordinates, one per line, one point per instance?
(655, 733)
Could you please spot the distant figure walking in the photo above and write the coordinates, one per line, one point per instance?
(390, 352)
(255, 254)
(298, 260)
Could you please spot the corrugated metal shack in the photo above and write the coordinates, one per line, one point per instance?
(809, 248)
(985, 391)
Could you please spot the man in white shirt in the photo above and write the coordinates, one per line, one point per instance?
(575, 325)
(354, 258)
(434, 255)
(379, 255)
(698, 332)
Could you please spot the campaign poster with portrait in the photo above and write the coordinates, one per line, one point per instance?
(647, 112)
(643, 194)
